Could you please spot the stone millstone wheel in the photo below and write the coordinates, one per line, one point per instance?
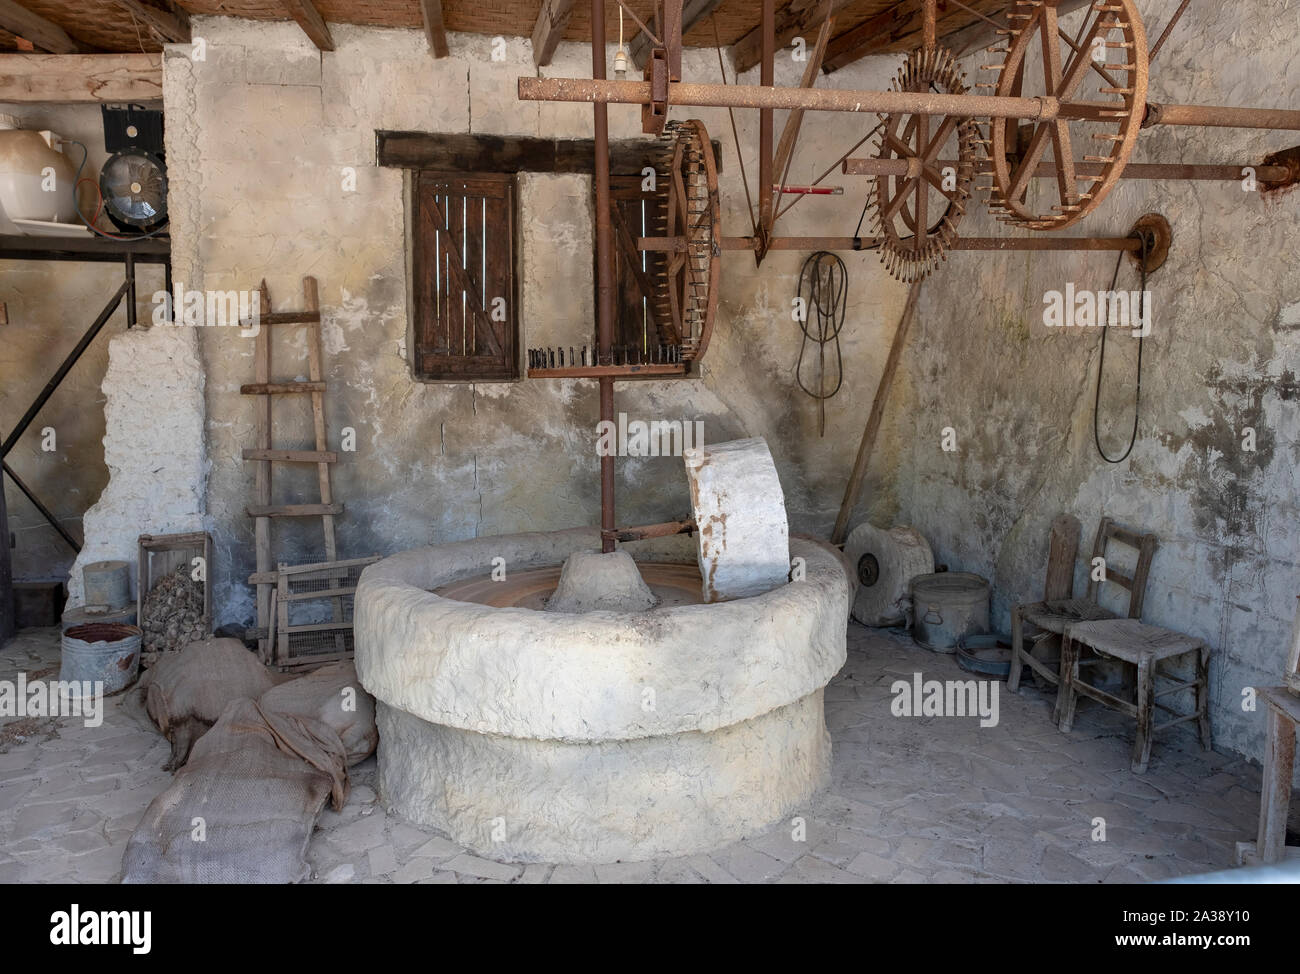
(885, 562)
(916, 215)
(1040, 62)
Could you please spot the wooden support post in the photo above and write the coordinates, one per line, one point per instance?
(693, 11)
(548, 31)
(311, 22)
(1275, 786)
(434, 31)
(262, 476)
(868, 443)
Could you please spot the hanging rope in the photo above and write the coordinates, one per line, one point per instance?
(1101, 366)
(823, 286)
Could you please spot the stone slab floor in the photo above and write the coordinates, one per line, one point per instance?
(911, 800)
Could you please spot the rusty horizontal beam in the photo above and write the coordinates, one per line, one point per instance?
(678, 244)
(664, 530)
(1042, 108)
(1134, 170)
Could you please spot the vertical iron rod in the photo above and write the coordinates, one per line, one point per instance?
(767, 78)
(129, 274)
(604, 271)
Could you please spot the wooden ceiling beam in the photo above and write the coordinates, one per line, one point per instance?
(901, 25)
(434, 29)
(795, 19)
(311, 22)
(552, 22)
(693, 11)
(169, 22)
(44, 34)
(81, 77)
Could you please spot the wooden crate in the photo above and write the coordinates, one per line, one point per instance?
(162, 554)
(295, 643)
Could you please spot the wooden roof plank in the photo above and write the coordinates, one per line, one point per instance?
(169, 22)
(44, 34)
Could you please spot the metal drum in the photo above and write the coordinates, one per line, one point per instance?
(947, 606)
(107, 652)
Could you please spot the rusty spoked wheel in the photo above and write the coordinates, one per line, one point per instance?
(1108, 96)
(695, 215)
(916, 214)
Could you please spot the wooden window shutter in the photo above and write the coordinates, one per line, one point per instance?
(642, 315)
(466, 323)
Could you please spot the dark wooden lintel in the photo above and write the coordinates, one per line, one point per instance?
(460, 152)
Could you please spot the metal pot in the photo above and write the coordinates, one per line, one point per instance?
(947, 606)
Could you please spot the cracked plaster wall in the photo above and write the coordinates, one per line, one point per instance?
(1223, 355)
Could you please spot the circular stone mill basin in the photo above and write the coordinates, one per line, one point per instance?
(604, 736)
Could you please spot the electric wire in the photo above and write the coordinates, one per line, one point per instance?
(1101, 365)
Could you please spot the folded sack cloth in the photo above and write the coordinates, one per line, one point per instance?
(243, 807)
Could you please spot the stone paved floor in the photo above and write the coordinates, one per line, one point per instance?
(935, 799)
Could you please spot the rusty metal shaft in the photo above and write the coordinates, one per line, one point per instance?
(604, 271)
(1134, 170)
(678, 244)
(1041, 108)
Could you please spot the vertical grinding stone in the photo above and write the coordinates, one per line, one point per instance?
(744, 537)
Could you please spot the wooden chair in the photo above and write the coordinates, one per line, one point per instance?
(1144, 647)
(1059, 609)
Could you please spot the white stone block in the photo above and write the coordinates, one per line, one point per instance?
(744, 538)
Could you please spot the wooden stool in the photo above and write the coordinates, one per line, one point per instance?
(1145, 647)
(1275, 786)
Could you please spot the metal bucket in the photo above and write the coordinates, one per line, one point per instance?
(947, 606)
(108, 652)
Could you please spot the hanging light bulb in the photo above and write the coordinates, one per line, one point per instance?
(620, 56)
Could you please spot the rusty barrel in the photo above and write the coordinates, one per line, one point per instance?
(107, 652)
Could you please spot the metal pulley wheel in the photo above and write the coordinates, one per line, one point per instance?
(1042, 61)
(916, 214)
(694, 214)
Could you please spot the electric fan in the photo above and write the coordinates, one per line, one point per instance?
(134, 185)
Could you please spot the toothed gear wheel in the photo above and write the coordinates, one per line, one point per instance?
(690, 278)
(1111, 100)
(911, 245)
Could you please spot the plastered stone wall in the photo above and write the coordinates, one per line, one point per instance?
(271, 125)
(50, 305)
(1222, 356)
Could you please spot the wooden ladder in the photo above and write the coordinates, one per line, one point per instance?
(265, 454)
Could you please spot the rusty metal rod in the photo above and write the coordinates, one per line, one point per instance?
(767, 78)
(1134, 170)
(678, 244)
(1042, 108)
(664, 530)
(604, 271)
(1223, 117)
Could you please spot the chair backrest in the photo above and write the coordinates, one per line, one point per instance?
(1061, 552)
(1145, 544)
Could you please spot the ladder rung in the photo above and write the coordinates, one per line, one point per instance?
(293, 456)
(324, 593)
(283, 318)
(318, 627)
(293, 510)
(279, 388)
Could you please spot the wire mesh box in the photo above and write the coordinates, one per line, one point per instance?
(312, 616)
